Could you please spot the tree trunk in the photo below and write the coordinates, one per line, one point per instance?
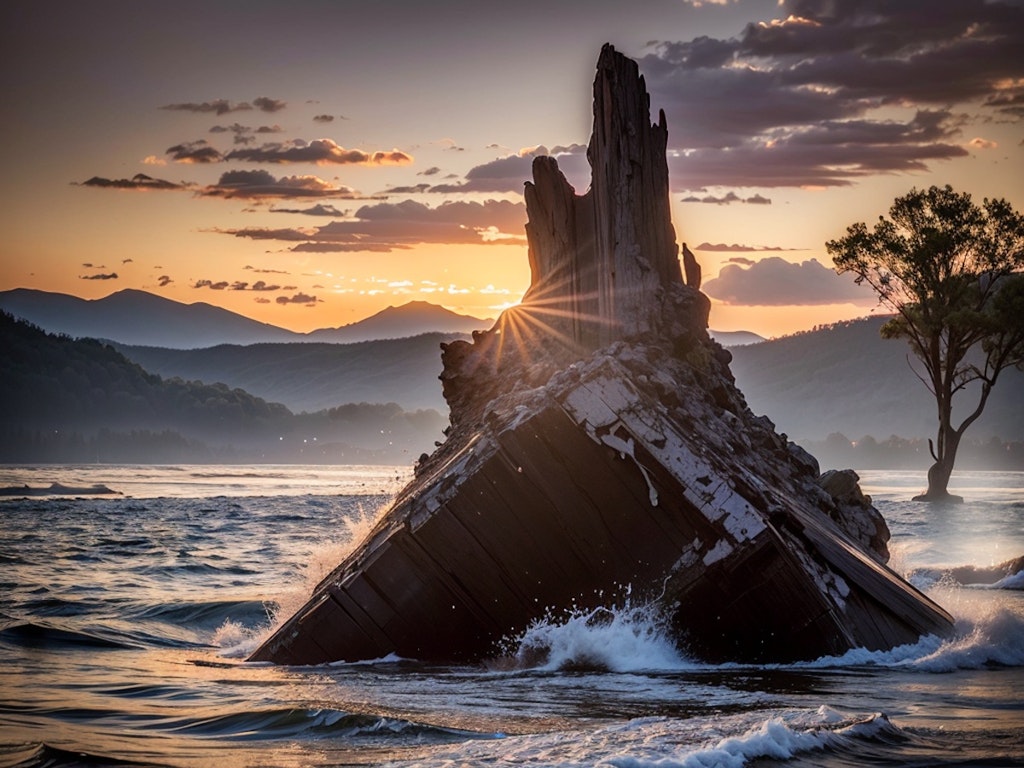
(939, 472)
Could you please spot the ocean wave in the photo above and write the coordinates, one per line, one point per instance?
(321, 723)
(45, 635)
(985, 635)
(36, 754)
(202, 615)
(646, 742)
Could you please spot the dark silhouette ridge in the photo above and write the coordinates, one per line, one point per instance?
(141, 318)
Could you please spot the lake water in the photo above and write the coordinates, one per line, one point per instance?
(125, 620)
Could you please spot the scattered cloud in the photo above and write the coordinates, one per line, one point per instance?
(384, 227)
(415, 189)
(139, 181)
(299, 298)
(431, 171)
(198, 152)
(509, 173)
(259, 285)
(255, 185)
(324, 118)
(244, 134)
(265, 271)
(153, 160)
(320, 209)
(833, 92)
(318, 152)
(730, 197)
(100, 276)
(267, 104)
(980, 143)
(735, 247)
(218, 107)
(164, 280)
(224, 107)
(218, 286)
(775, 282)
(285, 234)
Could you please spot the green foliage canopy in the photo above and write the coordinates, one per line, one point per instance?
(951, 271)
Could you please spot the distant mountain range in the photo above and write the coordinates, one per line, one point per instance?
(145, 319)
(139, 318)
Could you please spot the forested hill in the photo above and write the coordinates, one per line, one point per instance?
(845, 378)
(64, 399)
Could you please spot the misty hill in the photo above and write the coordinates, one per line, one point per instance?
(145, 319)
(312, 376)
(735, 338)
(64, 399)
(411, 319)
(845, 378)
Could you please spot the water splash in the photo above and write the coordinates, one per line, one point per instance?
(620, 639)
(237, 640)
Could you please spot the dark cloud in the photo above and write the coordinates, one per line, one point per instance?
(139, 181)
(431, 171)
(299, 298)
(736, 248)
(509, 173)
(324, 118)
(127, 261)
(254, 185)
(320, 209)
(219, 107)
(265, 271)
(102, 276)
(199, 152)
(385, 227)
(415, 189)
(776, 282)
(816, 99)
(217, 286)
(266, 104)
(243, 134)
(319, 152)
(259, 285)
(163, 281)
(264, 233)
(730, 197)
(356, 247)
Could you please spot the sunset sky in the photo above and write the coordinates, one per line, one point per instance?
(309, 163)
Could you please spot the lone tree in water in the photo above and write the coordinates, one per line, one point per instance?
(951, 273)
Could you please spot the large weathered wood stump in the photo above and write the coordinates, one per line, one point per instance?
(597, 443)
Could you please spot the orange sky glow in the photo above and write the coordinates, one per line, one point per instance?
(313, 163)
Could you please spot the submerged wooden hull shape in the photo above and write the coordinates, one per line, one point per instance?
(569, 501)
